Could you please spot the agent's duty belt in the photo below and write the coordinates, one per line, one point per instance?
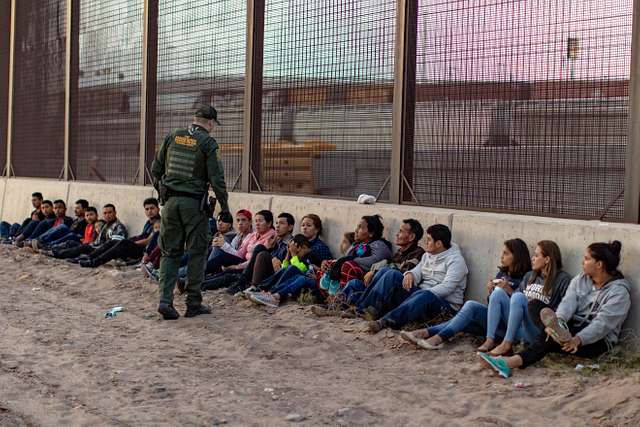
(172, 193)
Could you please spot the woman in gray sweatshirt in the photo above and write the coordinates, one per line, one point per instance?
(593, 309)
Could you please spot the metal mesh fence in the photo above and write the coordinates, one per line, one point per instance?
(5, 35)
(106, 136)
(522, 105)
(38, 97)
(327, 96)
(201, 59)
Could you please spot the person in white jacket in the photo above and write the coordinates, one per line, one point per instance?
(433, 288)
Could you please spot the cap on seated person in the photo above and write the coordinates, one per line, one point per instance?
(207, 112)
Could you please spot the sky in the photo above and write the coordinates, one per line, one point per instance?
(463, 40)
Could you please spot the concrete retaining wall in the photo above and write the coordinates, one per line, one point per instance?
(480, 235)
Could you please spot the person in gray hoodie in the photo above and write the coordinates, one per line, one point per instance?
(433, 288)
(589, 318)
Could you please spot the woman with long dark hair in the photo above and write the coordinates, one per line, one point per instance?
(588, 320)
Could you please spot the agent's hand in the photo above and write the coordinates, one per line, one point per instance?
(407, 281)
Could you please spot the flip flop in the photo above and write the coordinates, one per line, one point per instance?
(560, 332)
(498, 364)
(408, 336)
(428, 346)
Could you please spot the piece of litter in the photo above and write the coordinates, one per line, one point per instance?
(36, 289)
(520, 385)
(294, 418)
(24, 276)
(580, 367)
(113, 312)
(268, 390)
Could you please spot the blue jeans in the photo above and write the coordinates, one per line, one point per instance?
(69, 237)
(293, 286)
(221, 259)
(8, 230)
(353, 291)
(386, 292)
(512, 312)
(472, 319)
(422, 306)
(281, 276)
(30, 228)
(520, 325)
(54, 234)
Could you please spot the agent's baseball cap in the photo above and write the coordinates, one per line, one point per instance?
(207, 112)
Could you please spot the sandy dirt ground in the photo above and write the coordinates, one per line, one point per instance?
(63, 363)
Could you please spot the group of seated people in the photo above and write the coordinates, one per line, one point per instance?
(531, 299)
(84, 239)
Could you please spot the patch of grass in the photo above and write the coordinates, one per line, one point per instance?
(306, 298)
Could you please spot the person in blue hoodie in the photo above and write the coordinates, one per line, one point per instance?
(433, 288)
(589, 318)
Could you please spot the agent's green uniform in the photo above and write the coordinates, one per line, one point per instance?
(187, 161)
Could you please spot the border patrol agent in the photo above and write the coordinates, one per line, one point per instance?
(188, 160)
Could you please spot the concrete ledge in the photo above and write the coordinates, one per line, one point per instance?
(126, 198)
(480, 235)
(17, 195)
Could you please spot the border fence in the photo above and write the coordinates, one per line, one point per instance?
(519, 106)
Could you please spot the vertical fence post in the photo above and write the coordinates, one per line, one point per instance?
(12, 45)
(404, 100)
(71, 73)
(253, 96)
(632, 171)
(149, 87)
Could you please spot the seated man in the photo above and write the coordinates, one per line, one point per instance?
(90, 234)
(358, 292)
(49, 214)
(433, 288)
(112, 229)
(9, 232)
(62, 232)
(132, 248)
(61, 218)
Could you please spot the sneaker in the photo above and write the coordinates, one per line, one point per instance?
(409, 336)
(46, 252)
(168, 311)
(193, 311)
(498, 364)
(370, 314)
(376, 326)
(35, 245)
(236, 288)
(265, 298)
(428, 346)
(73, 260)
(87, 263)
(559, 329)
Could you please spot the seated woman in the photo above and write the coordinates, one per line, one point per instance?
(368, 249)
(263, 231)
(311, 228)
(589, 318)
(515, 263)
